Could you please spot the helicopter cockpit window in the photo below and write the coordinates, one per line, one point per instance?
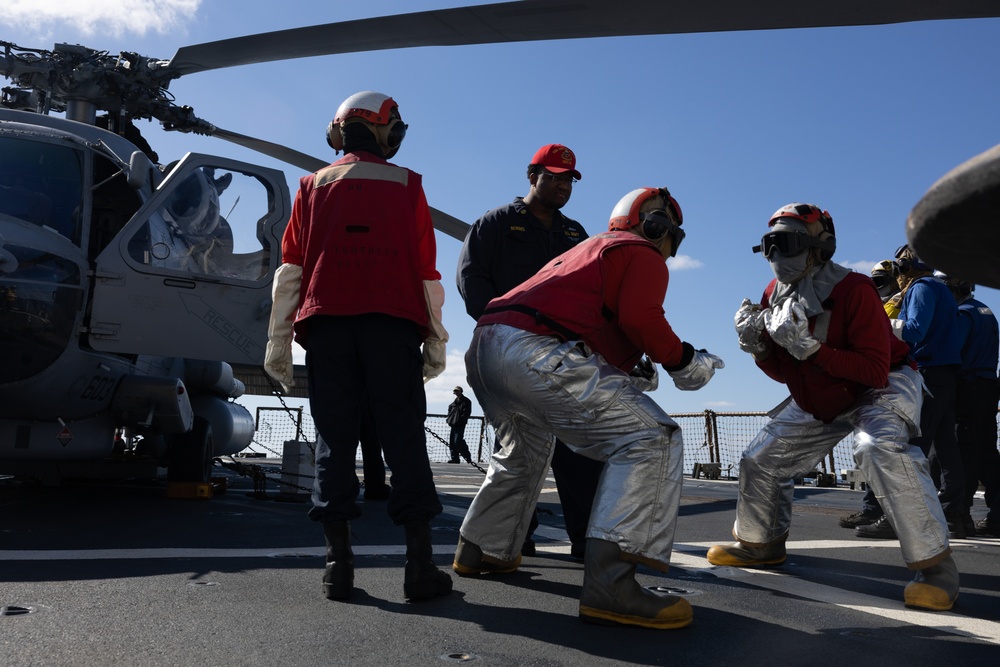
(210, 225)
(42, 183)
(39, 298)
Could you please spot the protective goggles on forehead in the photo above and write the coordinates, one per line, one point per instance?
(788, 244)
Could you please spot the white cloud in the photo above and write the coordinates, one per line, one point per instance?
(683, 263)
(863, 266)
(439, 390)
(89, 16)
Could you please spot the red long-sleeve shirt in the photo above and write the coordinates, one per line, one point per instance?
(607, 291)
(859, 350)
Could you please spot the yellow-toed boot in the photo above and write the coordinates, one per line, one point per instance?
(612, 596)
(934, 588)
(470, 560)
(739, 554)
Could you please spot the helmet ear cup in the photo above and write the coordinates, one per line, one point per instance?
(390, 136)
(654, 226)
(334, 136)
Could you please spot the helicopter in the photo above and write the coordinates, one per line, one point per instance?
(135, 294)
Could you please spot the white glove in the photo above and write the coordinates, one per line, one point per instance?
(789, 327)
(645, 376)
(434, 352)
(698, 372)
(284, 305)
(749, 321)
(897, 327)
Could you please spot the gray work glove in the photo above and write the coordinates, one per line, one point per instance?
(644, 376)
(789, 327)
(749, 322)
(698, 371)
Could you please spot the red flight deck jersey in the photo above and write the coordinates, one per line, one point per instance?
(362, 232)
(606, 291)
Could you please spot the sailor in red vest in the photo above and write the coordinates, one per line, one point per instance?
(552, 359)
(820, 329)
(360, 291)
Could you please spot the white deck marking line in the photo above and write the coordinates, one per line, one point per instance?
(775, 580)
(784, 582)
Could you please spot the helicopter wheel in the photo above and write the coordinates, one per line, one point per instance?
(190, 454)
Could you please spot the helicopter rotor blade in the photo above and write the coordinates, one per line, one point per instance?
(443, 222)
(288, 155)
(561, 19)
(449, 224)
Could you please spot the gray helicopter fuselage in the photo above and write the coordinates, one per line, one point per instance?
(126, 290)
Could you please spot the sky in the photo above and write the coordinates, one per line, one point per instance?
(860, 121)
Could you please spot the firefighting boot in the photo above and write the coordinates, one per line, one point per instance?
(470, 560)
(739, 554)
(934, 588)
(422, 580)
(612, 596)
(338, 578)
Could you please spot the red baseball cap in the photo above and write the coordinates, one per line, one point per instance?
(557, 159)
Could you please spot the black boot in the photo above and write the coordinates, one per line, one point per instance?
(422, 580)
(611, 595)
(338, 578)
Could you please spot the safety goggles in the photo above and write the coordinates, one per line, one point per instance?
(785, 244)
(883, 280)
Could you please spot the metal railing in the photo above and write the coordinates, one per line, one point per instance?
(714, 438)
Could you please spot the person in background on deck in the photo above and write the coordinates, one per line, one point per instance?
(458, 416)
(976, 405)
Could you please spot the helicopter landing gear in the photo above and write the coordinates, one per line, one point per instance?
(190, 455)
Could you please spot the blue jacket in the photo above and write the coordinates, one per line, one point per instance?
(980, 337)
(930, 323)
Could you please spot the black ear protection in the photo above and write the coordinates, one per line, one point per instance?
(390, 136)
(396, 132)
(655, 225)
(333, 136)
(827, 237)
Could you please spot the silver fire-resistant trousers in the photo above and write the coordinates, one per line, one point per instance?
(883, 421)
(534, 389)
